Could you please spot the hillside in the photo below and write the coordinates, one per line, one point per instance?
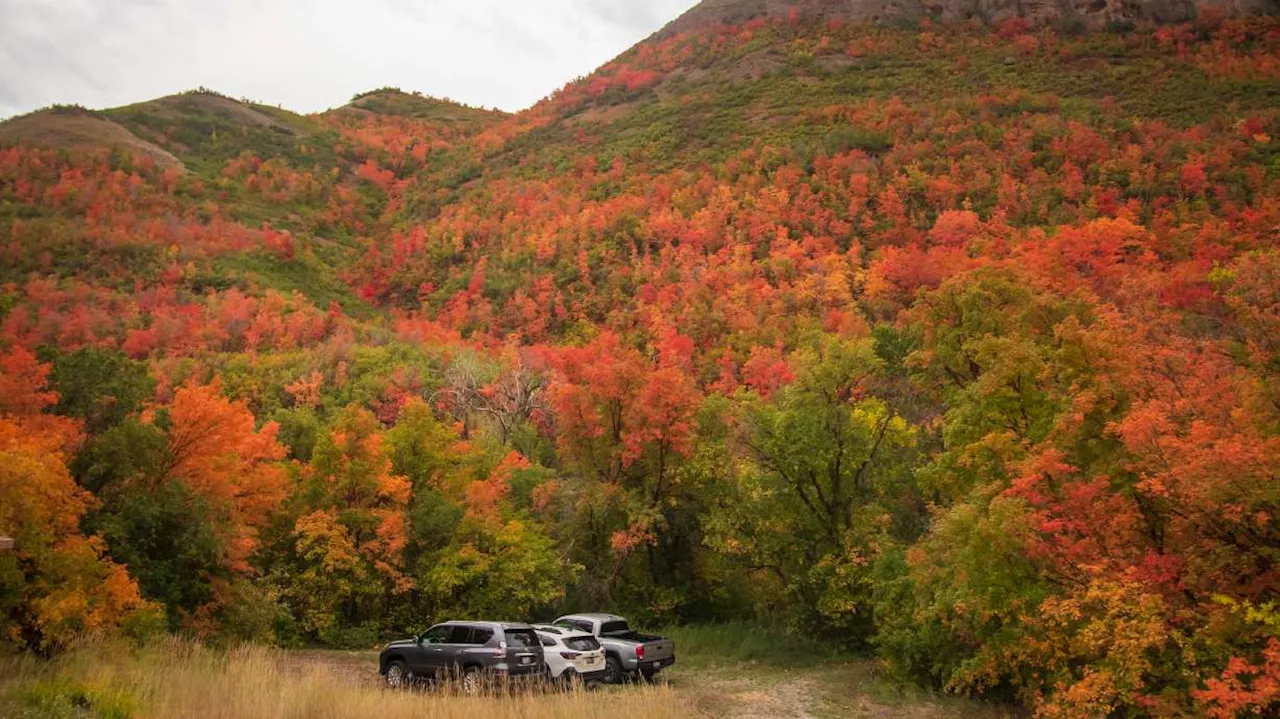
(1095, 15)
(948, 341)
(392, 101)
(73, 127)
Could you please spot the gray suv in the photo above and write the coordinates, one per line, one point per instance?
(470, 650)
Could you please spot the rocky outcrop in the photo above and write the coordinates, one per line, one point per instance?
(1092, 13)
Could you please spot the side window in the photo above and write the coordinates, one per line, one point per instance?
(547, 641)
(459, 635)
(436, 635)
(584, 626)
(481, 636)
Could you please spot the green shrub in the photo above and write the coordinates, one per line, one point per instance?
(60, 697)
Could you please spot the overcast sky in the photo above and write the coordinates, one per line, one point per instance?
(309, 55)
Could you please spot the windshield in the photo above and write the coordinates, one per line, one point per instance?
(613, 629)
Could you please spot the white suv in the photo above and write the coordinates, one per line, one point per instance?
(571, 655)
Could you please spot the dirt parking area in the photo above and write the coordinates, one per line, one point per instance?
(741, 691)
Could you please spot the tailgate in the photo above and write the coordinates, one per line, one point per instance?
(659, 649)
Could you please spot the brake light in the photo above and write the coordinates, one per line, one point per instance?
(570, 655)
(640, 652)
(501, 651)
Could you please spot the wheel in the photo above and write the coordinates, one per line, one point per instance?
(398, 676)
(471, 681)
(649, 677)
(613, 673)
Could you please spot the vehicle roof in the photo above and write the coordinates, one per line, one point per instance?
(469, 623)
(560, 632)
(595, 616)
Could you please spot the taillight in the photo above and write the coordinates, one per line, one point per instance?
(570, 655)
(501, 651)
(640, 652)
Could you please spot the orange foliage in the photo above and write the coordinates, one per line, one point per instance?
(218, 452)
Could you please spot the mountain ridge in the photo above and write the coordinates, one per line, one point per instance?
(1092, 14)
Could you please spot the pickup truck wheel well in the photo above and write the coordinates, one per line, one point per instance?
(388, 661)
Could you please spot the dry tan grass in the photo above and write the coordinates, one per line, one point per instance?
(173, 679)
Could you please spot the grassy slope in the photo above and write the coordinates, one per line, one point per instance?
(74, 127)
(390, 101)
(207, 130)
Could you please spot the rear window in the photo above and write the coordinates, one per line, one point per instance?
(521, 638)
(582, 644)
(614, 628)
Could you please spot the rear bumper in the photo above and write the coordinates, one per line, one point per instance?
(650, 665)
(520, 670)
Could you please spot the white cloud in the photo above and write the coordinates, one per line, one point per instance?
(308, 56)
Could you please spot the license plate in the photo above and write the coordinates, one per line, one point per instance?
(657, 665)
(526, 660)
(591, 660)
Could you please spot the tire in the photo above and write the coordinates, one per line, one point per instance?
(398, 675)
(613, 673)
(649, 677)
(472, 681)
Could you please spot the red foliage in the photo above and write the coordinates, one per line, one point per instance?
(1245, 688)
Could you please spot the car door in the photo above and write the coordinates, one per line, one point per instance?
(431, 651)
(455, 647)
(475, 651)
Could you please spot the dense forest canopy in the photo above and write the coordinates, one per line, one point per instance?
(954, 343)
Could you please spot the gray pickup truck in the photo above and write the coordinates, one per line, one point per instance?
(471, 650)
(626, 652)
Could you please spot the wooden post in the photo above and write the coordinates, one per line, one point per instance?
(6, 543)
